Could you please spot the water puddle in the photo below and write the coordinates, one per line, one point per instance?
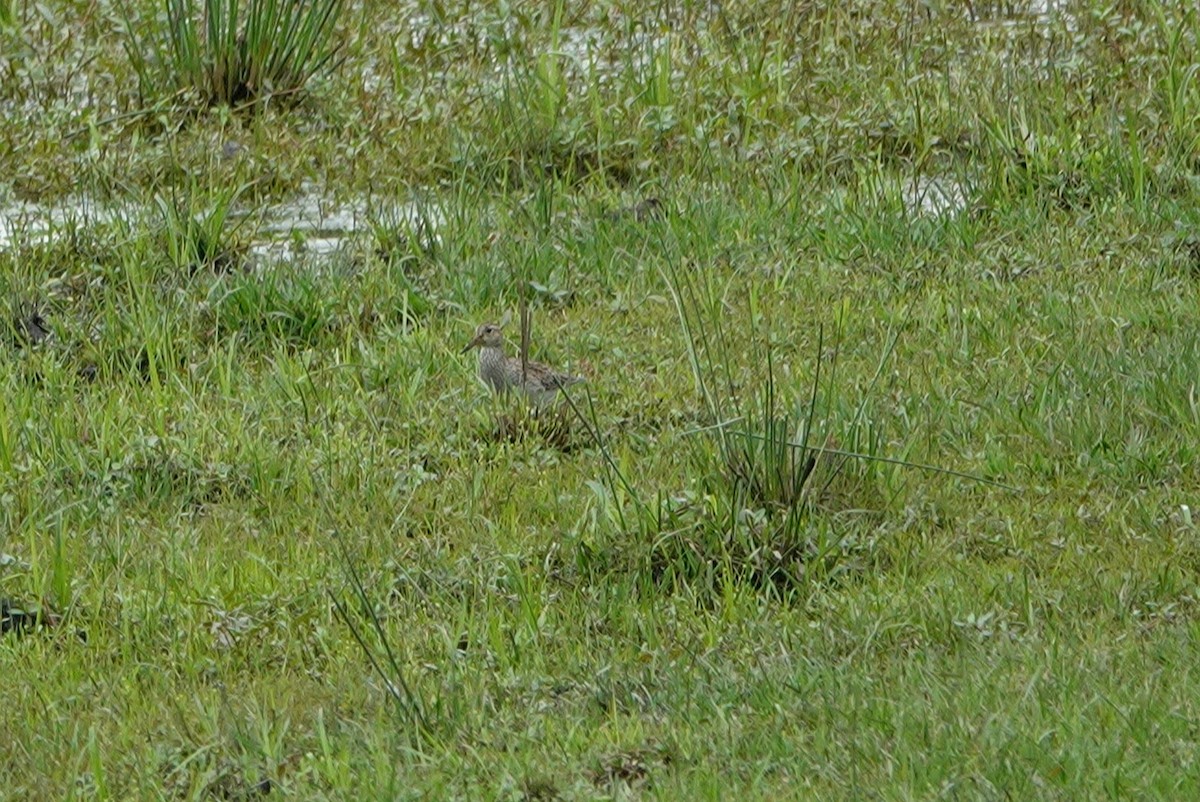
(22, 221)
(1020, 13)
(934, 197)
(313, 212)
(310, 228)
(314, 229)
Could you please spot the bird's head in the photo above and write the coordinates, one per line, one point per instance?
(488, 335)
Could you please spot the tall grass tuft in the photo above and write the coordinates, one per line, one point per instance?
(752, 521)
(196, 229)
(766, 455)
(227, 53)
(761, 442)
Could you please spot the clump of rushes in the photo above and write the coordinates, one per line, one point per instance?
(752, 523)
(755, 524)
(196, 230)
(229, 54)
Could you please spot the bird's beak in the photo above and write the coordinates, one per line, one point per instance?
(474, 342)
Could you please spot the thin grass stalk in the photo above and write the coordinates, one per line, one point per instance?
(302, 35)
(897, 461)
(525, 334)
(713, 347)
(612, 474)
(184, 41)
(856, 418)
(812, 401)
(685, 320)
(714, 312)
(232, 50)
(213, 23)
(409, 701)
(397, 684)
(262, 44)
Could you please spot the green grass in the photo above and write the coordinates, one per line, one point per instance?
(263, 536)
(222, 52)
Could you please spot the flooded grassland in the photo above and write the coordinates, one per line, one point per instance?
(881, 481)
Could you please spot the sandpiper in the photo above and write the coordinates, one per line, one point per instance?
(502, 373)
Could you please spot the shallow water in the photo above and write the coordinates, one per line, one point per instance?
(24, 221)
(934, 196)
(311, 226)
(1008, 14)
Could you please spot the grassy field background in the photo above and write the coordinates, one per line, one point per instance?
(261, 537)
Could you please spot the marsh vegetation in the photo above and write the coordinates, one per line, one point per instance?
(881, 483)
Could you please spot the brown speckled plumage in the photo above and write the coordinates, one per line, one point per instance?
(502, 373)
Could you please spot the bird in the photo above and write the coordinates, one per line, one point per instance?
(503, 373)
